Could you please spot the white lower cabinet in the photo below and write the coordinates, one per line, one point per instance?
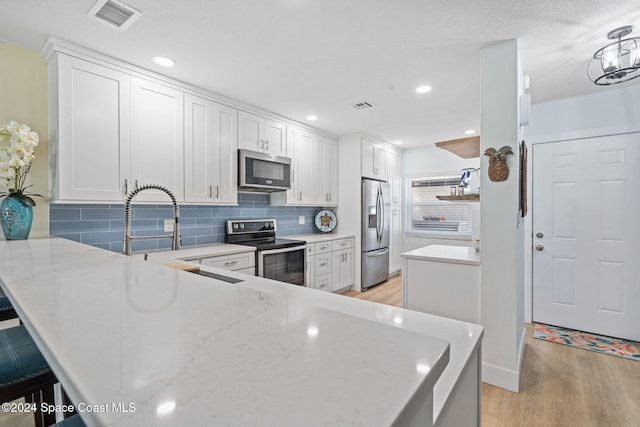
(330, 264)
(244, 262)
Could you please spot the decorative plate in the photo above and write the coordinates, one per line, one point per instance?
(326, 221)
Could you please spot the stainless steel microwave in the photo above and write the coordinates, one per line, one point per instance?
(263, 172)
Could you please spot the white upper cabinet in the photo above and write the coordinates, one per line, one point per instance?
(315, 170)
(210, 150)
(327, 158)
(111, 131)
(157, 138)
(305, 168)
(374, 160)
(261, 134)
(89, 131)
(395, 176)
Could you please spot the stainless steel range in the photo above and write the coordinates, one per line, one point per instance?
(278, 259)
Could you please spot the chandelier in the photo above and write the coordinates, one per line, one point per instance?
(617, 62)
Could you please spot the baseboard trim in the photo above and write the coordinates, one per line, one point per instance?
(501, 377)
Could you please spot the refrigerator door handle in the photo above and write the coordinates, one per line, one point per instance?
(378, 253)
(383, 219)
(379, 215)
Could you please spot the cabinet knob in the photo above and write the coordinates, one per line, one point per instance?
(539, 247)
(210, 191)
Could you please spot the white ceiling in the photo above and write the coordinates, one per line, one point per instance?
(298, 57)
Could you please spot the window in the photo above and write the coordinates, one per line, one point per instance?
(433, 217)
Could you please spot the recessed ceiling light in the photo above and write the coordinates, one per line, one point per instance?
(164, 61)
(469, 132)
(423, 89)
(312, 117)
(398, 142)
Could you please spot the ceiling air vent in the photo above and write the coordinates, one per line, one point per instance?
(362, 105)
(116, 13)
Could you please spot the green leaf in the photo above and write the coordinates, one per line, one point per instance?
(28, 200)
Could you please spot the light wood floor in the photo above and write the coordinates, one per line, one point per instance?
(389, 292)
(559, 385)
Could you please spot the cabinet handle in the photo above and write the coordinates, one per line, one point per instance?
(230, 263)
(329, 196)
(218, 191)
(210, 191)
(135, 186)
(126, 186)
(323, 264)
(343, 244)
(300, 194)
(267, 145)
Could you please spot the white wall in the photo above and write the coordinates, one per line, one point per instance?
(603, 109)
(429, 160)
(23, 91)
(607, 112)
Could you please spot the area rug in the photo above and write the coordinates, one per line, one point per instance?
(587, 341)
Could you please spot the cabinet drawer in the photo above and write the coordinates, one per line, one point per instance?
(322, 264)
(322, 247)
(323, 282)
(231, 262)
(337, 245)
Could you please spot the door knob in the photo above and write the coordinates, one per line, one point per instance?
(539, 235)
(539, 247)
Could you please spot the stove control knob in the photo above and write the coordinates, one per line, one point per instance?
(235, 226)
(241, 226)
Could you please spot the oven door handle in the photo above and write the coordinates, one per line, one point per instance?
(279, 251)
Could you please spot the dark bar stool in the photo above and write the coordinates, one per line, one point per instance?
(6, 309)
(25, 373)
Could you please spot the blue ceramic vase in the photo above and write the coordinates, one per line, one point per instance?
(15, 217)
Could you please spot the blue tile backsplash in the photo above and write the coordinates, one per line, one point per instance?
(102, 225)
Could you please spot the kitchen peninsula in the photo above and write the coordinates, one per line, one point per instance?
(192, 350)
(443, 280)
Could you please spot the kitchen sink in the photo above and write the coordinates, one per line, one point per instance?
(216, 276)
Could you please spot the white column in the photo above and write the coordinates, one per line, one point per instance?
(502, 303)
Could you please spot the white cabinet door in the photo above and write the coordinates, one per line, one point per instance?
(341, 269)
(374, 160)
(275, 135)
(305, 168)
(395, 176)
(395, 240)
(261, 134)
(210, 152)
(157, 138)
(327, 181)
(92, 143)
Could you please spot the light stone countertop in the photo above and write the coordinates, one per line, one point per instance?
(118, 329)
(320, 237)
(445, 253)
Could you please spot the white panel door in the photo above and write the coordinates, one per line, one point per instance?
(93, 132)
(157, 139)
(586, 235)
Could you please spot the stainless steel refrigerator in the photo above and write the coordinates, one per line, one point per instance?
(375, 232)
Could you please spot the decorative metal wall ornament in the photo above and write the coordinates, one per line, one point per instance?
(523, 179)
(616, 62)
(498, 169)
